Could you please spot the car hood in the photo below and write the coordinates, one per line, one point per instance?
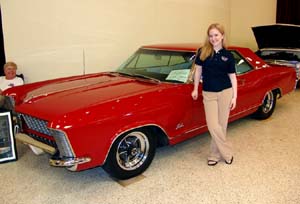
(65, 96)
(277, 36)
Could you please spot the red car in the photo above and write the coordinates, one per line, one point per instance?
(117, 119)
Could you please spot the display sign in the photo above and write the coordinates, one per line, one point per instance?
(7, 141)
(179, 75)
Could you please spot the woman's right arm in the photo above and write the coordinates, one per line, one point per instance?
(197, 76)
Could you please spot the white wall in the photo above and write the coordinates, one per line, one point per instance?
(56, 38)
(48, 39)
(246, 14)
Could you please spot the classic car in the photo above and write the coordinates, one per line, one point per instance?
(117, 119)
(279, 44)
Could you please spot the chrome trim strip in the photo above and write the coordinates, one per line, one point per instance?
(197, 128)
(66, 137)
(69, 162)
(243, 111)
(296, 84)
(169, 50)
(231, 116)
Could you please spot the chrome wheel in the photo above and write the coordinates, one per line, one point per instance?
(267, 107)
(268, 102)
(132, 151)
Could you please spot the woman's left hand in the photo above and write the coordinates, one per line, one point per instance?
(233, 103)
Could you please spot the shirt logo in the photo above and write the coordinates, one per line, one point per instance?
(224, 58)
(11, 85)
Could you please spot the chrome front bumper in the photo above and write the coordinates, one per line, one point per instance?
(68, 162)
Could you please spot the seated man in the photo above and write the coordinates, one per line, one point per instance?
(10, 79)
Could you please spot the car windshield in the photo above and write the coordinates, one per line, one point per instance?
(162, 65)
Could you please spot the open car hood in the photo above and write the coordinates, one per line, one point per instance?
(277, 36)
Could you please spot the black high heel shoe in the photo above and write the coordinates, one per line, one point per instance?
(230, 161)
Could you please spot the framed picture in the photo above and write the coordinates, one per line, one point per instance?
(7, 140)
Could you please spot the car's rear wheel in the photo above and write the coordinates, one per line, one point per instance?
(131, 154)
(267, 107)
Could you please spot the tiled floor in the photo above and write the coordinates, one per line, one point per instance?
(266, 169)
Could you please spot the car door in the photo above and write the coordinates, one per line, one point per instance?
(246, 85)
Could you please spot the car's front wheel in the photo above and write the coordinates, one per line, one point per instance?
(267, 107)
(131, 154)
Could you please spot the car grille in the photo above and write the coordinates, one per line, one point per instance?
(36, 124)
(43, 140)
(60, 140)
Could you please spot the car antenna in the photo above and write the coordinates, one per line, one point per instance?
(83, 59)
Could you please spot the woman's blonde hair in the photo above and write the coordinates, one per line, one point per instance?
(207, 49)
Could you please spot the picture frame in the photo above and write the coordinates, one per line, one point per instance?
(8, 150)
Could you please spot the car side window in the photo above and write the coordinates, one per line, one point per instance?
(241, 65)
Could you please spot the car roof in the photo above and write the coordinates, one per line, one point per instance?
(175, 46)
(180, 46)
(247, 53)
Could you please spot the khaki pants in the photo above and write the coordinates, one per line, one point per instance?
(217, 108)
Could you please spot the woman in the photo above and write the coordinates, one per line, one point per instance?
(216, 67)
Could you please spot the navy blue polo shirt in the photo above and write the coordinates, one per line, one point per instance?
(215, 70)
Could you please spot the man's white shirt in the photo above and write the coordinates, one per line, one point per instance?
(5, 83)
